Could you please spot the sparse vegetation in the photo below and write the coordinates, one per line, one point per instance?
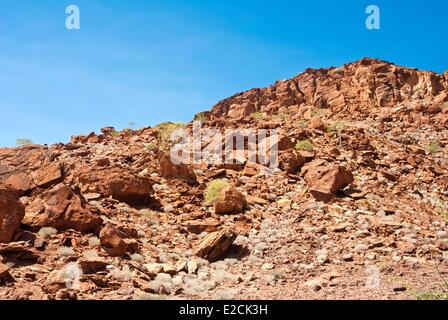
(336, 127)
(166, 129)
(303, 123)
(150, 296)
(123, 274)
(434, 147)
(137, 258)
(131, 124)
(278, 117)
(46, 232)
(213, 189)
(319, 112)
(258, 115)
(23, 142)
(151, 146)
(71, 274)
(201, 116)
(90, 254)
(94, 242)
(304, 145)
(65, 252)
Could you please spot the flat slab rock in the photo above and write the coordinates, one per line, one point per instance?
(215, 244)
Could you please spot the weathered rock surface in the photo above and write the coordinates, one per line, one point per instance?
(229, 201)
(11, 214)
(61, 208)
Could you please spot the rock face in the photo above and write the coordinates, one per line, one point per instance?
(181, 171)
(355, 88)
(215, 244)
(325, 180)
(61, 208)
(229, 201)
(362, 179)
(116, 183)
(291, 161)
(11, 214)
(114, 241)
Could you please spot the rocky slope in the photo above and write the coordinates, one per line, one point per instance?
(356, 209)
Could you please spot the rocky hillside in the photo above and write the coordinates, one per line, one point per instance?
(357, 208)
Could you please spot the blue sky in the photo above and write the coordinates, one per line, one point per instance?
(153, 61)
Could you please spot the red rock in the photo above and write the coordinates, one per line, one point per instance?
(113, 240)
(21, 181)
(181, 171)
(325, 181)
(11, 214)
(291, 161)
(48, 174)
(62, 208)
(317, 124)
(229, 201)
(215, 244)
(117, 183)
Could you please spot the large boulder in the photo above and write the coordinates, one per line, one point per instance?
(11, 214)
(213, 246)
(229, 201)
(118, 183)
(62, 208)
(290, 161)
(325, 180)
(171, 170)
(116, 241)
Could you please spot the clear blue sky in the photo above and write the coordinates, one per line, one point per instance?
(152, 61)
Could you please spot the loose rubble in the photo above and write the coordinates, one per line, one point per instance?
(357, 207)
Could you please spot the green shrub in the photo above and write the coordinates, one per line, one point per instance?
(257, 115)
(434, 147)
(336, 127)
(166, 129)
(304, 145)
(213, 189)
(23, 142)
(151, 146)
(318, 112)
(201, 116)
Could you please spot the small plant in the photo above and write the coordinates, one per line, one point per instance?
(131, 124)
(304, 145)
(123, 274)
(318, 112)
(258, 115)
(278, 117)
(149, 216)
(166, 129)
(23, 142)
(336, 127)
(65, 252)
(201, 116)
(115, 133)
(150, 296)
(94, 242)
(90, 254)
(44, 233)
(434, 147)
(151, 146)
(303, 124)
(213, 189)
(71, 273)
(137, 258)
